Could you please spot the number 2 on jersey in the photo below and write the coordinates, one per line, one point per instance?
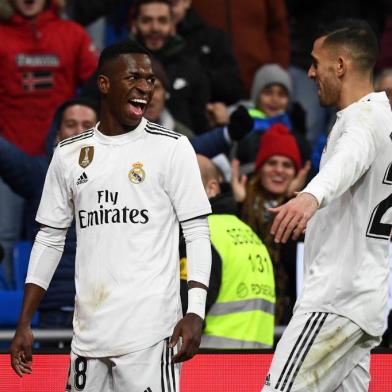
(376, 229)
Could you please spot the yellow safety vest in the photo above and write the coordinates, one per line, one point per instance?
(243, 314)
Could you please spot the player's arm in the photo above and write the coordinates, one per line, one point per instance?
(352, 156)
(198, 250)
(45, 256)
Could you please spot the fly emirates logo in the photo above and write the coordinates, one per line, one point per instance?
(110, 212)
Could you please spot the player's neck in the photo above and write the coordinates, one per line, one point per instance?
(109, 126)
(353, 92)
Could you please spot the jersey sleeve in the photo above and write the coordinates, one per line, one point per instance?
(56, 207)
(185, 187)
(352, 156)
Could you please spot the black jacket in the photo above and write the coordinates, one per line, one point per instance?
(212, 48)
(189, 90)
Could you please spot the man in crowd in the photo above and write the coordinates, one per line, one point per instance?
(44, 59)
(25, 175)
(189, 91)
(213, 50)
(241, 296)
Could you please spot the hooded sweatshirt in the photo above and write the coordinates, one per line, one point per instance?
(43, 60)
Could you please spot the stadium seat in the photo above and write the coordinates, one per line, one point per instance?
(21, 255)
(3, 281)
(10, 305)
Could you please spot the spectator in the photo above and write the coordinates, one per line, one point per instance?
(385, 58)
(278, 174)
(44, 59)
(189, 89)
(239, 314)
(257, 29)
(157, 110)
(209, 143)
(270, 104)
(88, 11)
(383, 82)
(213, 50)
(25, 175)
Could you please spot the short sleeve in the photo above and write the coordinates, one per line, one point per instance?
(56, 207)
(185, 186)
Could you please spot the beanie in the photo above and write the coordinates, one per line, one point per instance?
(278, 140)
(269, 74)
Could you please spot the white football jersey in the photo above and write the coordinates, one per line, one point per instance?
(347, 241)
(128, 194)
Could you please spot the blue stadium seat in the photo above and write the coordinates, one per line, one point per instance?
(10, 305)
(22, 250)
(3, 281)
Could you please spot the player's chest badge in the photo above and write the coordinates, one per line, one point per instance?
(86, 156)
(137, 174)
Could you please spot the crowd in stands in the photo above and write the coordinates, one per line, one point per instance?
(230, 75)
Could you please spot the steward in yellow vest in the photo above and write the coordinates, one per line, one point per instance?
(241, 296)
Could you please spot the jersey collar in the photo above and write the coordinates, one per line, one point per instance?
(121, 139)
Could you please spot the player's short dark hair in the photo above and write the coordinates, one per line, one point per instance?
(139, 3)
(357, 36)
(111, 52)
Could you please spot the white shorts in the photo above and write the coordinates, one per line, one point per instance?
(321, 352)
(149, 370)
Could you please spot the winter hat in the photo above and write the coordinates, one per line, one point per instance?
(278, 140)
(269, 74)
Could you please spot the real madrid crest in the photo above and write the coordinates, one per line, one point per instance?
(86, 156)
(137, 175)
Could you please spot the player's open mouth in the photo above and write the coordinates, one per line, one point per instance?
(137, 106)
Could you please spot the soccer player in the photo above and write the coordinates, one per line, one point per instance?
(129, 183)
(340, 313)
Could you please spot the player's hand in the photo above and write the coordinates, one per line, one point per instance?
(292, 217)
(238, 184)
(21, 358)
(190, 329)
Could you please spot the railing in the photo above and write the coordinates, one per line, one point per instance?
(51, 335)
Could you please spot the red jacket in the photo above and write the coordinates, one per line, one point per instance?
(42, 61)
(258, 31)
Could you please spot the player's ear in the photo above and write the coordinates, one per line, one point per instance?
(341, 66)
(103, 84)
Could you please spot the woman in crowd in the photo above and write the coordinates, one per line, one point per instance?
(278, 175)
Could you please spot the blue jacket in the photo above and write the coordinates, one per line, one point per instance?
(26, 176)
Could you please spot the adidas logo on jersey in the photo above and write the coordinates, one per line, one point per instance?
(82, 179)
(148, 390)
(268, 381)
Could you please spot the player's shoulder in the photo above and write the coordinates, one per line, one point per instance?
(373, 111)
(373, 104)
(160, 133)
(75, 141)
